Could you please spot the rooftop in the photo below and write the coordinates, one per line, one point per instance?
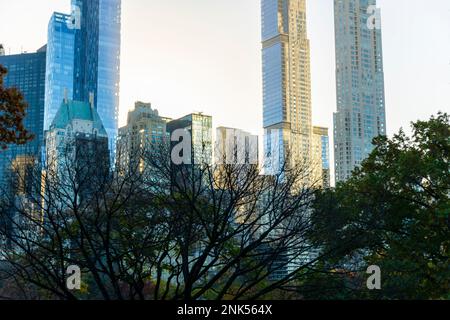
(77, 110)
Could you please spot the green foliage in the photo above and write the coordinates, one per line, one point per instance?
(12, 114)
(395, 210)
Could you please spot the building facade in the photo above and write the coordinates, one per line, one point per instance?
(190, 152)
(144, 134)
(236, 155)
(97, 59)
(197, 128)
(321, 156)
(60, 64)
(26, 72)
(236, 147)
(76, 148)
(286, 83)
(360, 112)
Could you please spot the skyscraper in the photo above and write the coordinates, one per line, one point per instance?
(199, 128)
(287, 83)
(97, 59)
(236, 147)
(60, 63)
(360, 112)
(235, 155)
(77, 148)
(145, 132)
(190, 151)
(26, 72)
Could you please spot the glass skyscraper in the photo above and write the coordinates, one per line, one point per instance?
(97, 59)
(360, 112)
(287, 83)
(196, 152)
(26, 72)
(60, 63)
(199, 127)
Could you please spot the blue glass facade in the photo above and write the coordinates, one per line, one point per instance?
(60, 64)
(274, 149)
(26, 72)
(359, 83)
(269, 19)
(273, 95)
(200, 129)
(325, 153)
(287, 114)
(97, 60)
(274, 83)
(274, 62)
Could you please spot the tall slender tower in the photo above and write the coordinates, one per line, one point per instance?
(97, 59)
(360, 112)
(60, 62)
(287, 84)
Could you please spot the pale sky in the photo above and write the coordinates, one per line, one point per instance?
(205, 55)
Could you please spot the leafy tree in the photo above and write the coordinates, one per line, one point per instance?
(398, 205)
(12, 115)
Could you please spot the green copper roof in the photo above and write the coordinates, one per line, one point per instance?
(77, 110)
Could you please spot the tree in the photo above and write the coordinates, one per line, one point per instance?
(398, 204)
(154, 230)
(12, 115)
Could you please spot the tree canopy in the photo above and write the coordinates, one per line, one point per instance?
(12, 115)
(398, 205)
